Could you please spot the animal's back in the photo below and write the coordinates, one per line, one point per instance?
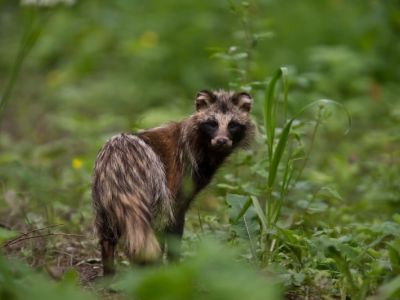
(130, 195)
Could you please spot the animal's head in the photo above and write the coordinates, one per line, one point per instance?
(222, 118)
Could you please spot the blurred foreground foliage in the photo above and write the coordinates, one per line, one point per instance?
(17, 282)
(213, 273)
(95, 69)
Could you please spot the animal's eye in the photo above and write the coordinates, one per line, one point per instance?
(209, 127)
(211, 124)
(234, 126)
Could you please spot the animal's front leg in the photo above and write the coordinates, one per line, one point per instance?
(173, 235)
(107, 256)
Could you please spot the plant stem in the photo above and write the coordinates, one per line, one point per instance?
(252, 249)
(250, 44)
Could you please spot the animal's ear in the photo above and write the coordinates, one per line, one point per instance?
(203, 99)
(243, 100)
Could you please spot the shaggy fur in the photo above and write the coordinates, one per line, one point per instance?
(137, 185)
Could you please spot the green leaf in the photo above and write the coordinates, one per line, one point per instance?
(70, 276)
(235, 203)
(387, 228)
(394, 256)
(390, 290)
(6, 234)
(259, 211)
(280, 148)
(269, 117)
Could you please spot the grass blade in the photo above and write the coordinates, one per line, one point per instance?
(280, 148)
(285, 86)
(259, 211)
(268, 110)
(243, 210)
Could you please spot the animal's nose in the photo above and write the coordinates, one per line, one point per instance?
(221, 141)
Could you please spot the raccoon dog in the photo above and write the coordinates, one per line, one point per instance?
(139, 184)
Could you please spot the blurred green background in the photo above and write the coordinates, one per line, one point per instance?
(102, 67)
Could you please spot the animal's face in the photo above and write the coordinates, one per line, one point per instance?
(223, 118)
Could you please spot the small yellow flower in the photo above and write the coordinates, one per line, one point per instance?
(54, 78)
(148, 39)
(76, 163)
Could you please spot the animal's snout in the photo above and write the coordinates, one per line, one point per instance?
(221, 142)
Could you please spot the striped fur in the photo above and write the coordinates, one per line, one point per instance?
(130, 195)
(137, 179)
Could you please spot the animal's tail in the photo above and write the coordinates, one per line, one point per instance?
(130, 196)
(141, 244)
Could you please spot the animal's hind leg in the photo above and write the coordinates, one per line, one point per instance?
(108, 239)
(107, 256)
